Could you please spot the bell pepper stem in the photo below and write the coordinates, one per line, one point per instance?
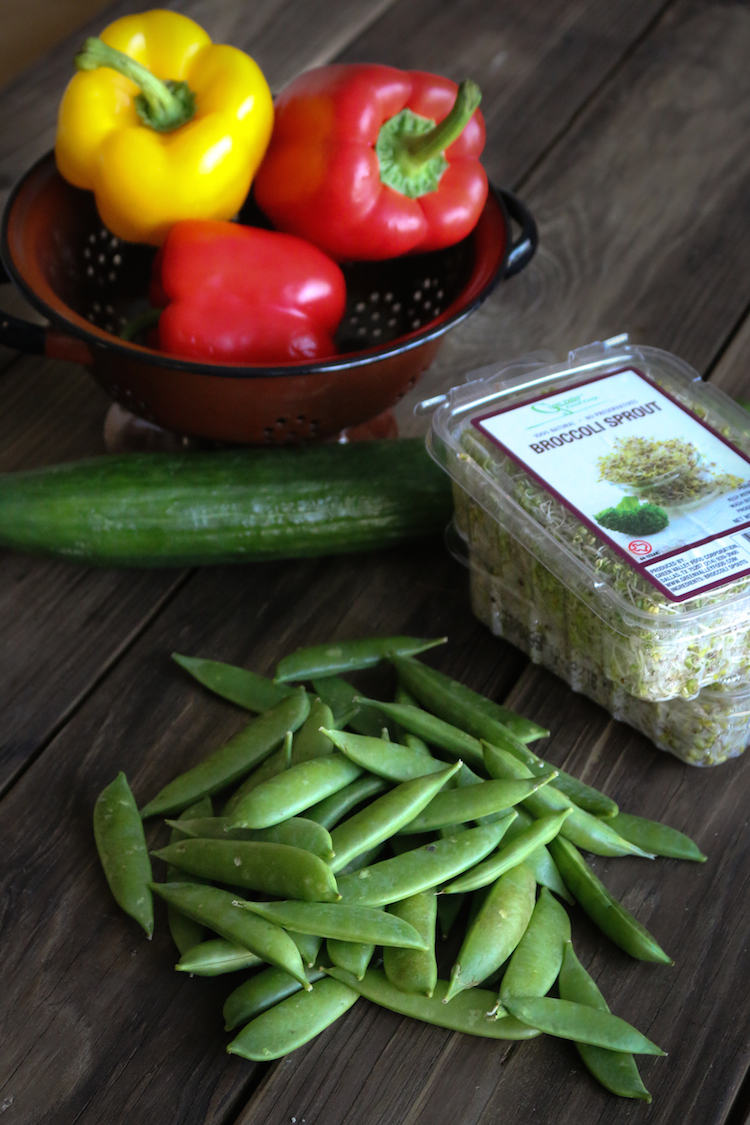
(163, 105)
(417, 150)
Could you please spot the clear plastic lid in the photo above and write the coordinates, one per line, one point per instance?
(621, 478)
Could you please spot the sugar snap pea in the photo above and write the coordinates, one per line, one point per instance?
(308, 945)
(218, 910)
(419, 869)
(215, 957)
(386, 759)
(331, 810)
(352, 956)
(308, 743)
(293, 791)
(457, 806)
(348, 656)
(364, 859)
(404, 736)
(231, 761)
(466, 1012)
(615, 1070)
(658, 838)
(343, 700)
(185, 932)
(535, 963)
(298, 831)
(121, 844)
(413, 970)
(602, 907)
(580, 827)
(581, 1023)
(434, 731)
(346, 923)
(274, 869)
(517, 851)
(540, 861)
(459, 705)
(448, 909)
(238, 685)
(496, 931)
(386, 816)
(261, 992)
(293, 1022)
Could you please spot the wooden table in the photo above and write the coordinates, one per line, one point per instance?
(624, 124)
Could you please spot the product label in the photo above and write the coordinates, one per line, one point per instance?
(665, 490)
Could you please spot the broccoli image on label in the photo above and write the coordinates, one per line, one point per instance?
(633, 518)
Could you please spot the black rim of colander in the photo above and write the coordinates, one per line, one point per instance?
(160, 359)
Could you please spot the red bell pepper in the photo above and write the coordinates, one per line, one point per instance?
(240, 294)
(358, 165)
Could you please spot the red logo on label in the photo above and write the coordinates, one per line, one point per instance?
(640, 547)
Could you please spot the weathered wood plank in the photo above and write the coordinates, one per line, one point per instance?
(62, 626)
(91, 1020)
(634, 212)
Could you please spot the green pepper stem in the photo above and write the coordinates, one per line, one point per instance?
(418, 150)
(161, 105)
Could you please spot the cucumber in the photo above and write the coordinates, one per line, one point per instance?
(158, 509)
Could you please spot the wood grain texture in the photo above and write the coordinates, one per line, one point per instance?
(62, 626)
(642, 208)
(92, 1021)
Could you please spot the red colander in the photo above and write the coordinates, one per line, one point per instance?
(89, 284)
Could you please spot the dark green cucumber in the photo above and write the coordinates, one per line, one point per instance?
(229, 506)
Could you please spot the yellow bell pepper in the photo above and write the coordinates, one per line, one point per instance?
(162, 125)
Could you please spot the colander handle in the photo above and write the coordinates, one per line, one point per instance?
(20, 335)
(523, 248)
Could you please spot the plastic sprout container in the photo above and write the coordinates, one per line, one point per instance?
(604, 508)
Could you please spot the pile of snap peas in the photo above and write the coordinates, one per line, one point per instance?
(348, 825)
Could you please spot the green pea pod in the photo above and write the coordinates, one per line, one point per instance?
(602, 907)
(658, 838)
(261, 992)
(581, 1023)
(540, 861)
(215, 957)
(466, 1013)
(496, 930)
(348, 656)
(403, 736)
(434, 731)
(419, 869)
(413, 970)
(615, 1070)
(535, 963)
(386, 759)
(480, 717)
(459, 705)
(308, 743)
(448, 910)
(343, 700)
(221, 912)
(293, 791)
(352, 956)
(293, 1022)
(540, 832)
(386, 816)
(457, 806)
(248, 690)
(345, 923)
(308, 945)
(580, 827)
(331, 810)
(298, 832)
(121, 844)
(364, 859)
(185, 932)
(227, 764)
(274, 869)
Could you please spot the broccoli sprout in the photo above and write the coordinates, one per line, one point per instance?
(667, 472)
(633, 518)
